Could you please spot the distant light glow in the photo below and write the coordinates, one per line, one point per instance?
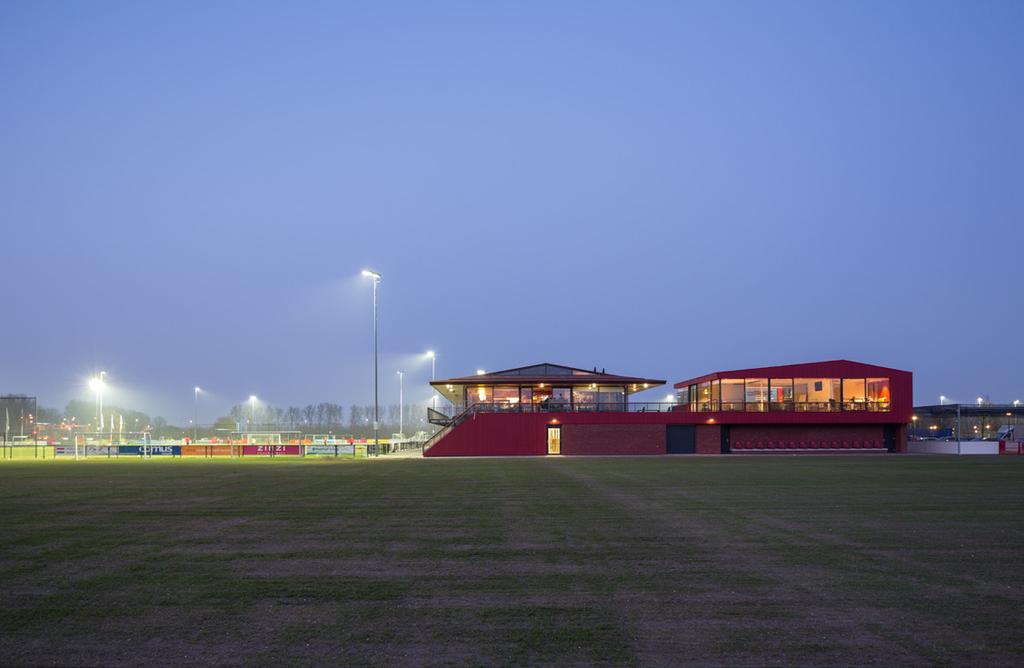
(371, 274)
(480, 372)
(431, 354)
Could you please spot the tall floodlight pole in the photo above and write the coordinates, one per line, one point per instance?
(195, 416)
(97, 386)
(401, 404)
(252, 412)
(433, 376)
(376, 404)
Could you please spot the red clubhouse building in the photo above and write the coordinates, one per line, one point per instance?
(549, 409)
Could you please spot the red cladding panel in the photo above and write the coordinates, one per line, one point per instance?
(494, 434)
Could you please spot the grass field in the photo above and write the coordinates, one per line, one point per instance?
(773, 560)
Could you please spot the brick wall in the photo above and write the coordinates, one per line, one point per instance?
(709, 439)
(613, 439)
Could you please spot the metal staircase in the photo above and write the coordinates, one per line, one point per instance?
(449, 424)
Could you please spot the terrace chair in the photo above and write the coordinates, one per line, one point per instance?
(760, 445)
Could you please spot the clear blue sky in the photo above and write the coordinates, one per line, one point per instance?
(189, 190)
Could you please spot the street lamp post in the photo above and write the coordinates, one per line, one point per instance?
(401, 404)
(376, 404)
(195, 416)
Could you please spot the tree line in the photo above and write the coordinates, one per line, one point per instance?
(324, 417)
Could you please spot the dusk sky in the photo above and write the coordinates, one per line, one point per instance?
(188, 192)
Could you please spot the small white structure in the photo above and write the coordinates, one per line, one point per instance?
(954, 447)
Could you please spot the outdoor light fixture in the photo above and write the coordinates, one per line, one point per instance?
(480, 372)
(433, 373)
(401, 403)
(376, 402)
(195, 420)
(97, 385)
(942, 399)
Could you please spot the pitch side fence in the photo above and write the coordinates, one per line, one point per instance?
(10, 452)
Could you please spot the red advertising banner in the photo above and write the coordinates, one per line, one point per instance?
(209, 450)
(271, 450)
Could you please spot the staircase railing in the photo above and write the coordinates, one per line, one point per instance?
(452, 424)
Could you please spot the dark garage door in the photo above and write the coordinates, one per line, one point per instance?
(682, 439)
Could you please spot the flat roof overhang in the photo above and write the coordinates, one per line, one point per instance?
(452, 388)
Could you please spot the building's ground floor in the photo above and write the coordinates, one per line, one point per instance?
(674, 432)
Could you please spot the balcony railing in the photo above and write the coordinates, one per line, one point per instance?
(557, 407)
(787, 406)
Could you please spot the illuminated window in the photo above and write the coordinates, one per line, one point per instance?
(704, 396)
(585, 398)
(611, 398)
(878, 394)
(756, 394)
(854, 394)
(561, 399)
(506, 395)
(732, 394)
(478, 395)
(781, 393)
(816, 394)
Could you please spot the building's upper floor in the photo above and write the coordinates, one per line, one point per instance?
(834, 386)
(544, 387)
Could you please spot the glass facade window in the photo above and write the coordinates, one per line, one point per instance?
(585, 398)
(704, 396)
(716, 394)
(541, 395)
(611, 398)
(508, 396)
(525, 397)
(756, 394)
(683, 395)
(732, 394)
(878, 394)
(561, 399)
(854, 395)
(478, 395)
(781, 393)
(816, 394)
